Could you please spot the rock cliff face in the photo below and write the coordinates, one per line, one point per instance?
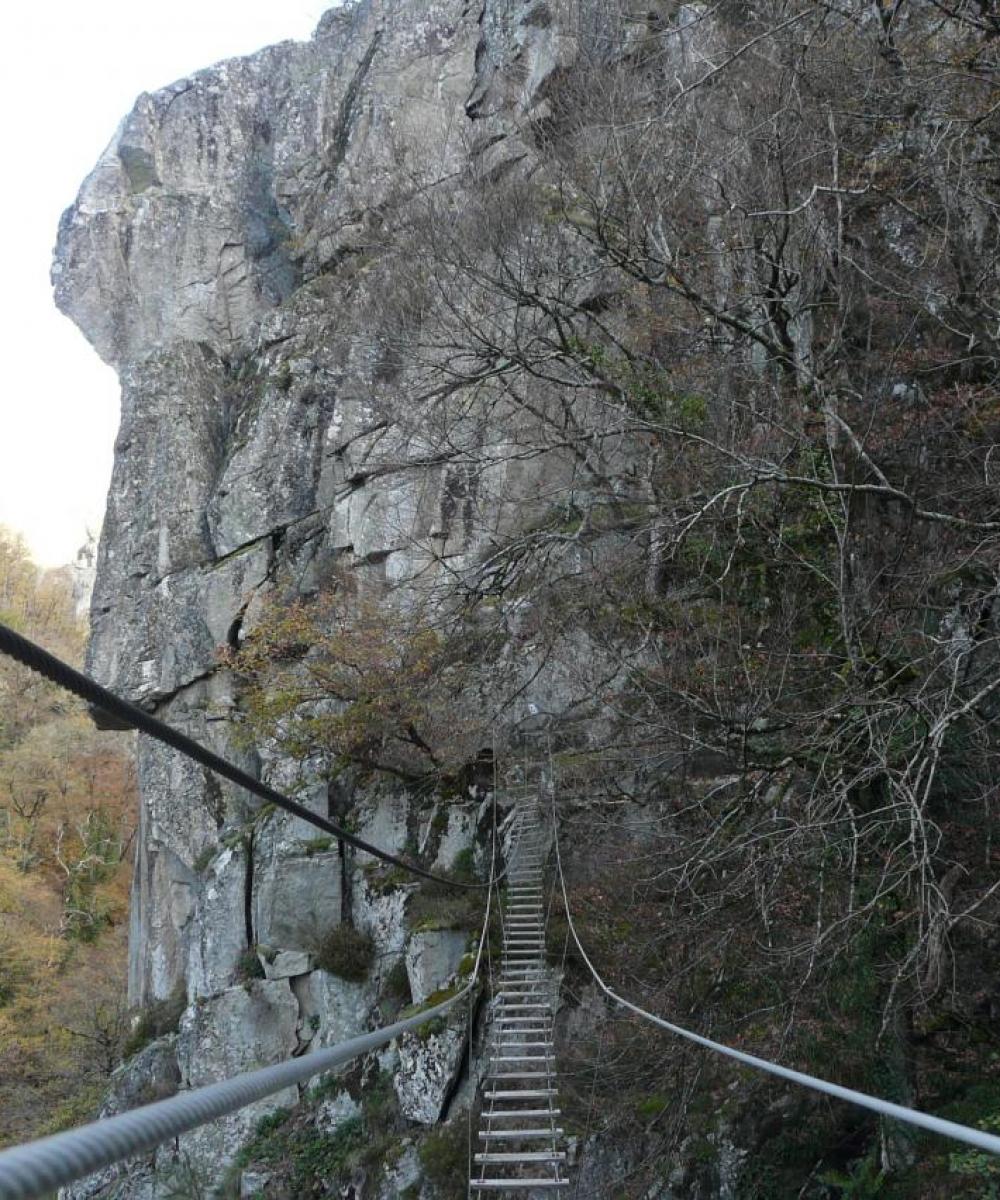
(621, 343)
(229, 255)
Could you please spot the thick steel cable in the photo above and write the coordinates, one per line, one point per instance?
(30, 655)
(38, 1168)
(949, 1129)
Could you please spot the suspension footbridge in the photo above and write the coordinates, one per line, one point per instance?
(520, 1146)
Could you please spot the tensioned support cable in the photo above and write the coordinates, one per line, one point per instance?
(38, 1168)
(31, 655)
(899, 1112)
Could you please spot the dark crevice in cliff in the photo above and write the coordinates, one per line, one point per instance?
(338, 802)
(236, 627)
(215, 799)
(155, 702)
(346, 897)
(465, 1066)
(341, 133)
(473, 106)
(248, 889)
(150, 704)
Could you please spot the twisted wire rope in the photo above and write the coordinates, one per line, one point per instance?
(950, 1129)
(38, 1168)
(33, 656)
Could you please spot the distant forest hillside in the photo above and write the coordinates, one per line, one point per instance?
(66, 831)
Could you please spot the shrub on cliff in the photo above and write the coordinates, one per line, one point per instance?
(346, 952)
(364, 682)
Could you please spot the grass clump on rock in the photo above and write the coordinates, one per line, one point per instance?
(346, 952)
(444, 1157)
(435, 905)
(155, 1020)
(308, 1160)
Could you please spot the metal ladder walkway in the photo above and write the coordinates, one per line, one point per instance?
(520, 1146)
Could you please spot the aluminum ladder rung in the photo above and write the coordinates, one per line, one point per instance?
(510, 1114)
(527, 1094)
(519, 1077)
(516, 1185)
(529, 1135)
(527, 1156)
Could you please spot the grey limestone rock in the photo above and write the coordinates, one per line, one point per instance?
(428, 1068)
(334, 1111)
(458, 835)
(401, 1176)
(237, 1030)
(432, 958)
(382, 915)
(383, 823)
(285, 964)
(218, 933)
(332, 1009)
(253, 1184)
(150, 1075)
(297, 900)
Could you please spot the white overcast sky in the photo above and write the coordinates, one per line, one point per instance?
(69, 72)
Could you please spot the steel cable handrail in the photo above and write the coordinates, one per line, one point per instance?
(38, 1168)
(950, 1129)
(33, 656)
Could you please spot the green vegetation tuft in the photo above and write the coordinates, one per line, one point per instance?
(249, 966)
(346, 952)
(444, 1156)
(156, 1020)
(396, 985)
(316, 845)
